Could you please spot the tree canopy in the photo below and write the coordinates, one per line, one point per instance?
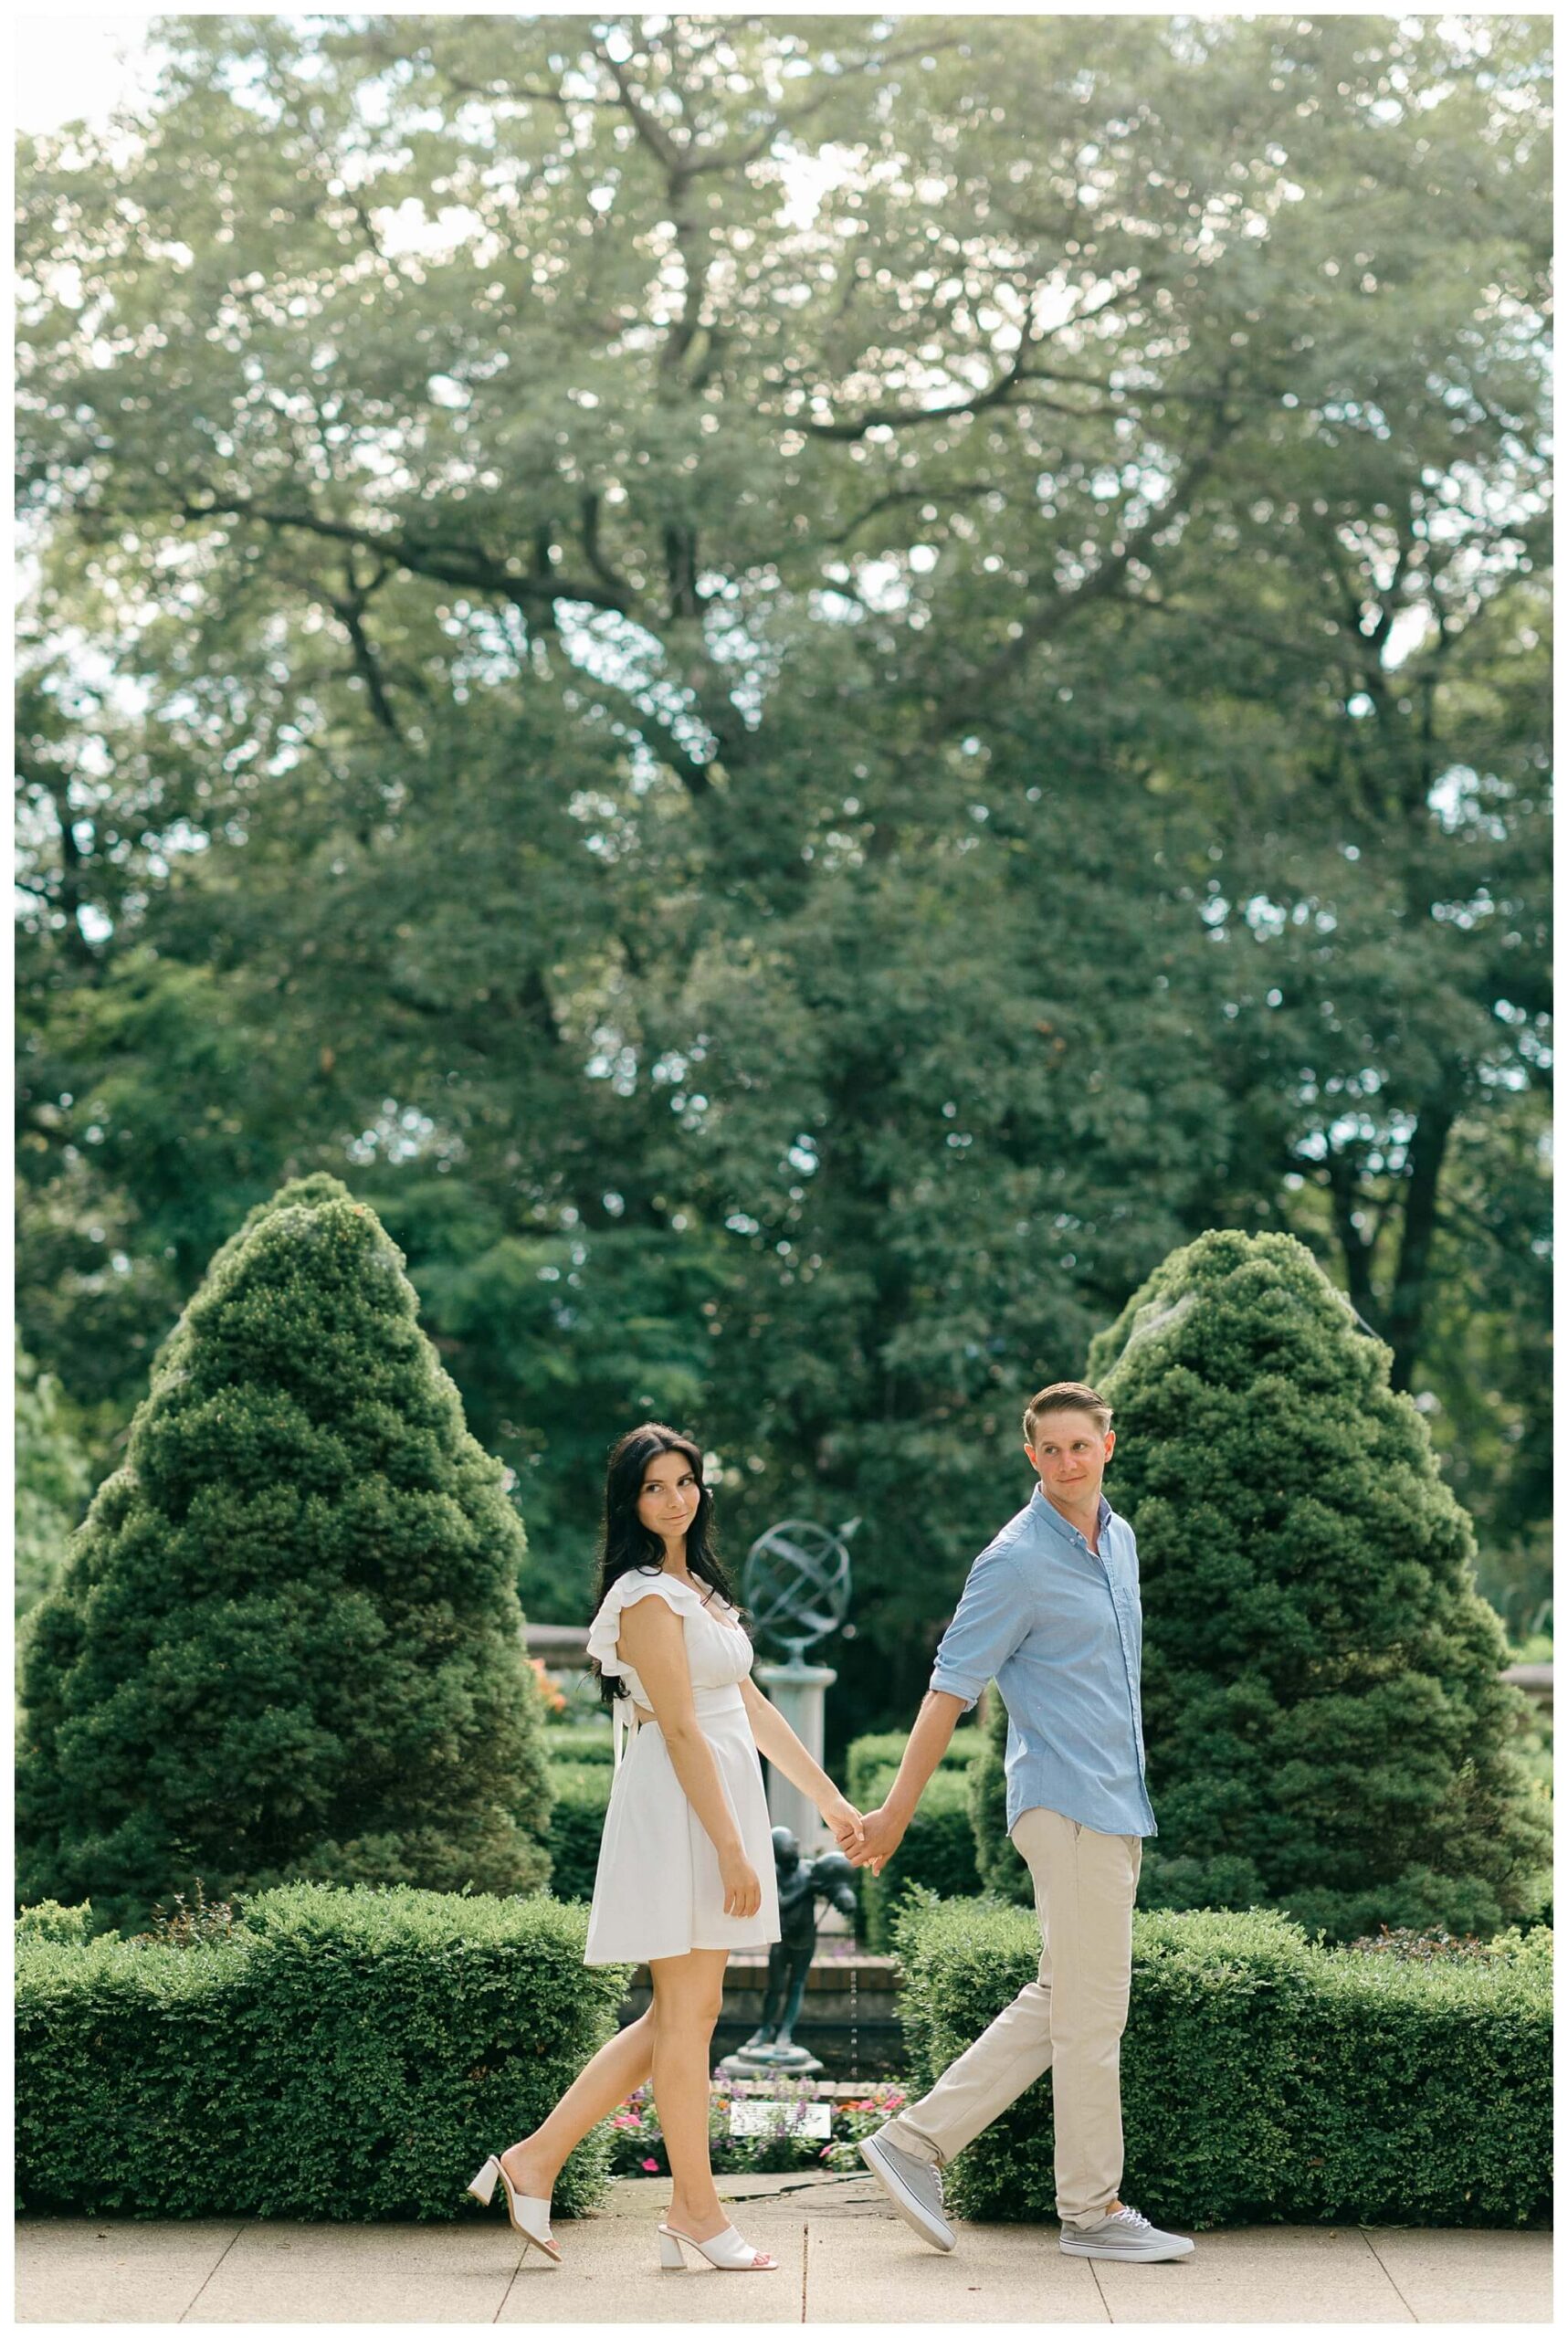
(803, 691)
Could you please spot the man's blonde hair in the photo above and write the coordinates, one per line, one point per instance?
(1066, 1397)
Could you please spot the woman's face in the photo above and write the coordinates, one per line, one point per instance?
(669, 1497)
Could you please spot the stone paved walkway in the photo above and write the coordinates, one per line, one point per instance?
(845, 2258)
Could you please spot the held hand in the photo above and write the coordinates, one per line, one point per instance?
(743, 1891)
(880, 1834)
(844, 1822)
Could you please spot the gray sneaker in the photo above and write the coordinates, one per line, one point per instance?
(913, 2186)
(1124, 2234)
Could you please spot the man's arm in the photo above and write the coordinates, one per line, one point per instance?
(883, 1829)
(992, 1617)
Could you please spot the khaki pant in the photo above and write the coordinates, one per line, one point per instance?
(1069, 2020)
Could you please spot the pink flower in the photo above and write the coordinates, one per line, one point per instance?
(651, 2165)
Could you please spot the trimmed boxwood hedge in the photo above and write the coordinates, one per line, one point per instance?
(343, 2054)
(937, 1851)
(1264, 2079)
(883, 1749)
(580, 1740)
(582, 1792)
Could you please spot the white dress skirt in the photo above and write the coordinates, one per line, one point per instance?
(657, 1891)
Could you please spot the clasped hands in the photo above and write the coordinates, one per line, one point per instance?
(866, 1841)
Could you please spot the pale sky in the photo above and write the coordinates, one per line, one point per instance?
(74, 68)
(79, 68)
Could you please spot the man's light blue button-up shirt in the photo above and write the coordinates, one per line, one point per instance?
(1061, 1632)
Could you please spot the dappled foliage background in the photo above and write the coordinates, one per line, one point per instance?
(801, 691)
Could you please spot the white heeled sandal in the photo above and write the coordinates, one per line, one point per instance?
(529, 2216)
(725, 2251)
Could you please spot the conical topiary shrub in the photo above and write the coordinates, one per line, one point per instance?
(1326, 1726)
(286, 1643)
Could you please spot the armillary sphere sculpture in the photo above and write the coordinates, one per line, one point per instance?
(795, 1582)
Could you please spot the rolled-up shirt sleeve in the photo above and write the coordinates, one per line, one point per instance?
(990, 1621)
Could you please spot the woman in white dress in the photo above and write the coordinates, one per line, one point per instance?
(686, 1864)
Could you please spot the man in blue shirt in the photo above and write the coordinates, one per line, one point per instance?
(1051, 1612)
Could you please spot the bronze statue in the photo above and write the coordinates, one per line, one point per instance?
(802, 1882)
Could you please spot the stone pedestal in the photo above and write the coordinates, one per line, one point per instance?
(799, 1691)
(770, 2062)
(847, 2020)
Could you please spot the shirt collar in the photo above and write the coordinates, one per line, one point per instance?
(1049, 1515)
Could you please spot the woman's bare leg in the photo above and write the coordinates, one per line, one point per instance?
(687, 1995)
(623, 2063)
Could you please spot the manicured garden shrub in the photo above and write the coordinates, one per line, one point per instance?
(580, 1740)
(287, 1641)
(883, 1749)
(1326, 1727)
(998, 1866)
(343, 2054)
(937, 1851)
(1265, 2078)
(582, 1797)
(48, 1919)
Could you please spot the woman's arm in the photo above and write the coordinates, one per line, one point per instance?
(653, 1643)
(777, 1740)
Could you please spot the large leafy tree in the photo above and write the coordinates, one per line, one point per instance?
(812, 690)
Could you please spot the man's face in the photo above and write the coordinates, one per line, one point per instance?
(1069, 1455)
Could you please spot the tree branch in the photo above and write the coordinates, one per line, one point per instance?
(896, 495)
(367, 667)
(962, 704)
(649, 128)
(1407, 1301)
(455, 564)
(903, 418)
(68, 895)
(1354, 1248)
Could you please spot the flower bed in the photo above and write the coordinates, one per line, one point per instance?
(638, 2147)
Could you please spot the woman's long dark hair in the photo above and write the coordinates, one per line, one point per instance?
(626, 1542)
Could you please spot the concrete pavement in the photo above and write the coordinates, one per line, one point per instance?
(846, 2258)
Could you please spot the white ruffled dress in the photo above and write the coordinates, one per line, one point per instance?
(657, 1891)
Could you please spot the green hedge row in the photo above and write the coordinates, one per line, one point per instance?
(1264, 2078)
(883, 1749)
(938, 1851)
(343, 2054)
(937, 1854)
(582, 1791)
(580, 1740)
(1000, 1866)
